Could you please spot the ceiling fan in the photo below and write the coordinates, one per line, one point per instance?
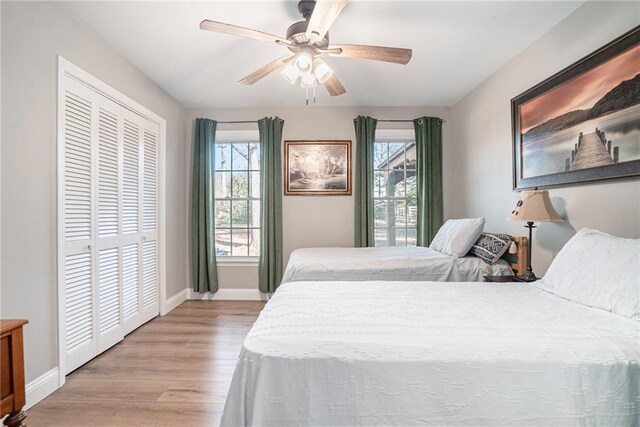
(307, 40)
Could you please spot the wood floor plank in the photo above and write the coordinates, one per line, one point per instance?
(173, 371)
(51, 413)
(227, 337)
(156, 339)
(240, 319)
(168, 354)
(196, 392)
(181, 329)
(217, 370)
(88, 389)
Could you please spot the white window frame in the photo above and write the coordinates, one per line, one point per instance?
(232, 136)
(390, 135)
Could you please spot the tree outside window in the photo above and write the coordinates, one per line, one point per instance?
(237, 198)
(395, 193)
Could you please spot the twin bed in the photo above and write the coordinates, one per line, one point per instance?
(396, 263)
(562, 351)
(460, 252)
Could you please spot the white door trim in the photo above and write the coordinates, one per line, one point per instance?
(67, 69)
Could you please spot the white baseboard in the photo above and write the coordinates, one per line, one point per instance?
(230, 294)
(174, 301)
(41, 387)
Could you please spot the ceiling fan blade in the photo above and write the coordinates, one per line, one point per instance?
(266, 70)
(334, 86)
(324, 14)
(396, 55)
(221, 27)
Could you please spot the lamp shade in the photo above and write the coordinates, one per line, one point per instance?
(535, 206)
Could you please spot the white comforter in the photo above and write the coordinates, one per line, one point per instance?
(412, 353)
(387, 263)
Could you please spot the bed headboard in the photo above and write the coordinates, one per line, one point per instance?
(518, 261)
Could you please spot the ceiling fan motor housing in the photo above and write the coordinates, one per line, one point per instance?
(296, 32)
(296, 35)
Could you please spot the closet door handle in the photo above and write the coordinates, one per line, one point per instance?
(89, 247)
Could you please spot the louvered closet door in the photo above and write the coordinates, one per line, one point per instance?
(79, 118)
(133, 132)
(108, 223)
(149, 221)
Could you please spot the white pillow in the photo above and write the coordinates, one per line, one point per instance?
(598, 270)
(456, 236)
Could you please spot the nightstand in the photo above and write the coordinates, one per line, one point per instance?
(504, 279)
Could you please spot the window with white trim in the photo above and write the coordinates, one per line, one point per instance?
(237, 194)
(394, 193)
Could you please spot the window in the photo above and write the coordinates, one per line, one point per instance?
(394, 195)
(237, 194)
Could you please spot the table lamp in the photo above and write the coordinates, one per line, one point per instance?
(533, 206)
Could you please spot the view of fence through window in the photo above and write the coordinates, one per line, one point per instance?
(237, 198)
(394, 195)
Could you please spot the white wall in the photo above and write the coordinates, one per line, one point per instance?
(325, 220)
(33, 34)
(481, 124)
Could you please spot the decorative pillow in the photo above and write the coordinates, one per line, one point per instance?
(598, 270)
(456, 236)
(490, 247)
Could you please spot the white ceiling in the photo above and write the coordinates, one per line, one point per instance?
(456, 45)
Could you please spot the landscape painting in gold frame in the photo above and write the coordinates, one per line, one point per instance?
(317, 168)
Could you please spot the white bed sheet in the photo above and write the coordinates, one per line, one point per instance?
(413, 353)
(387, 263)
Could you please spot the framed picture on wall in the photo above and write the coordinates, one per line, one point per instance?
(317, 168)
(582, 124)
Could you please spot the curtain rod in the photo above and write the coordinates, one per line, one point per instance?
(402, 121)
(383, 121)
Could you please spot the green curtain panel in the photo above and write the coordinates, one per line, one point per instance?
(428, 177)
(205, 274)
(363, 182)
(270, 266)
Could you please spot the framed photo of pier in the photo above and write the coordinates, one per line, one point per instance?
(582, 124)
(317, 168)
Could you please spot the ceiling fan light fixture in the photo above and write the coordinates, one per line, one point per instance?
(304, 60)
(308, 80)
(290, 73)
(322, 70)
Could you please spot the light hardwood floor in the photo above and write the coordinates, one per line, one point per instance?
(173, 371)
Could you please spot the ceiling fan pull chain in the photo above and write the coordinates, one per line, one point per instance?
(307, 95)
(314, 94)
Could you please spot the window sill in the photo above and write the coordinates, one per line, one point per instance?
(244, 261)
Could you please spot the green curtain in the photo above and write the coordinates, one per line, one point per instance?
(205, 274)
(363, 182)
(270, 266)
(428, 177)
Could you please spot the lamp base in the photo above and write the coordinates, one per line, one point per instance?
(528, 275)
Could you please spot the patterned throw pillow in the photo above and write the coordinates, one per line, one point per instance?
(490, 247)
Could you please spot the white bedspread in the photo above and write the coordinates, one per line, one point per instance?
(387, 263)
(412, 353)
